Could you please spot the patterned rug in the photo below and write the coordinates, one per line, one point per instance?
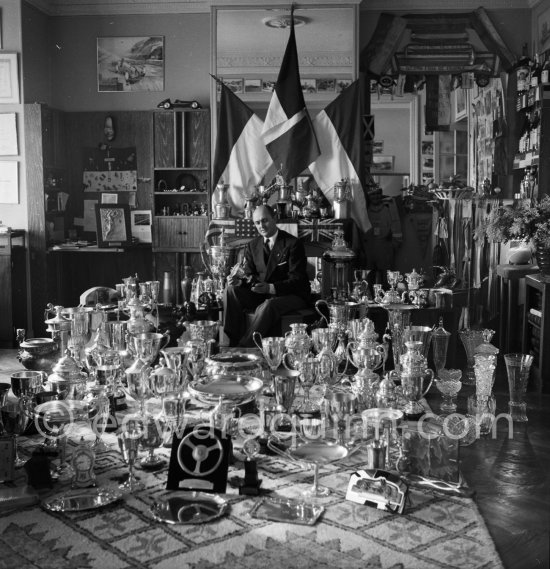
(436, 530)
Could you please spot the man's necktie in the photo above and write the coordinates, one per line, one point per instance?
(267, 250)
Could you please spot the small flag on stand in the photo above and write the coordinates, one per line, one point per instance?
(240, 159)
(288, 132)
(338, 131)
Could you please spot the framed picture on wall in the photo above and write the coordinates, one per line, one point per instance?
(382, 163)
(9, 78)
(113, 225)
(134, 63)
(543, 26)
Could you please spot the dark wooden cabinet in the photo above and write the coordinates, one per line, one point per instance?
(536, 329)
(45, 146)
(13, 286)
(181, 179)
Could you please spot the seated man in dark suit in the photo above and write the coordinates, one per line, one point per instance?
(275, 281)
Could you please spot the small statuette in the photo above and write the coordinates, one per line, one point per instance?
(83, 465)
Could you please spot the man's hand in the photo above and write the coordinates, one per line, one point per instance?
(261, 288)
(234, 280)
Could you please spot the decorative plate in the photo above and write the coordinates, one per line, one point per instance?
(286, 511)
(78, 501)
(188, 508)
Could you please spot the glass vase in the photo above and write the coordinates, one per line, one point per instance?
(470, 340)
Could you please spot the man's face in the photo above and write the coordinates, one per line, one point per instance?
(264, 222)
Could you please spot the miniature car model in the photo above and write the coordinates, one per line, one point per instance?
(178, 104)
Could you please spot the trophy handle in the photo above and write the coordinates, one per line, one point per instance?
(431, 375)
(165, 340)
(319, 303)
(255, 336)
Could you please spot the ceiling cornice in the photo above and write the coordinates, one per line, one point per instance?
(438, 6)
(121, 7)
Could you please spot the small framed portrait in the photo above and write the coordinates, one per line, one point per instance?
(267, 85)
(309, 85)
(326, 85)
(342, 84)
(252, 85)
(377, 146)
(236, 85)
(427, 147)
(113, 225)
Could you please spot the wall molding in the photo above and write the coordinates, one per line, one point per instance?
(120, 7)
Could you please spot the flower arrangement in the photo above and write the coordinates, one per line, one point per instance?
(524, 221)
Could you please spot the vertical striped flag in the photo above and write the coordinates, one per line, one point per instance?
(338, 129)
(288, 132)
(240, 159)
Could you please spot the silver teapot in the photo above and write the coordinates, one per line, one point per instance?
(67, 379)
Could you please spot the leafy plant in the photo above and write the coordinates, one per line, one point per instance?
(523, 221)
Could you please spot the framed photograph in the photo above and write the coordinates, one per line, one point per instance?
(141, 223)
(134, 63)
(236, 85)
(342, 84)
(252, 85)
(268, 86)
(377, 146)
(109, 198)
(309, 85)
(382, 163)
(113, 225)
(9, 78)
(543, 27)
(326, 85)
(427, 147)
(460, 104)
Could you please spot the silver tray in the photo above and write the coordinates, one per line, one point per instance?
(78, 501)
(287, 511)
(235, 388)
(188, 508)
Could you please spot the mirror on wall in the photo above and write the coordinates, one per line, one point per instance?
(249, 43)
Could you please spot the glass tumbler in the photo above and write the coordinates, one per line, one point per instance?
(518, 367)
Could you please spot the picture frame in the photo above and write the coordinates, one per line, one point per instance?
(113, 225)
(130, 64)
(9, 78)
(252, 85)
(543, 31)
(460, 98)
(141, 225)
(309, 85)
(382, 163)
(326, 85)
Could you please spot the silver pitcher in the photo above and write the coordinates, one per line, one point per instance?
(414, 371)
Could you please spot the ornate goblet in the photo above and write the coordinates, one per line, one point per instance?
(151, 438)
(449, 385)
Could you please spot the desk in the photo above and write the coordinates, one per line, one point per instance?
(79, 269)
(510, 275)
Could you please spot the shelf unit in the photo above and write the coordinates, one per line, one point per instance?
(537, 100)
(181, 179)
(536, 329)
